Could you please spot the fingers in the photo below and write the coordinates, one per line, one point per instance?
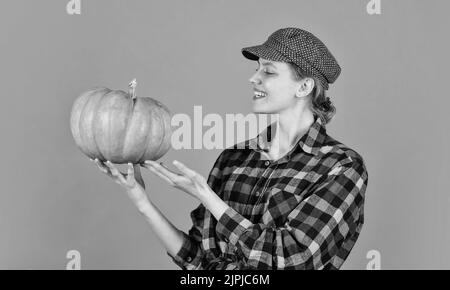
(186, 171)
(159, 167)
(134, 175)
(101, 166)
(174, 177)
(137, 175)
(137, 170)
(128, 179)
(115, 172)
(130, 171)
(191, 174)
(158, 173)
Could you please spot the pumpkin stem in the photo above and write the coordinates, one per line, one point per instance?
(132, 90)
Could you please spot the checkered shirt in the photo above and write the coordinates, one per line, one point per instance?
(302, 211)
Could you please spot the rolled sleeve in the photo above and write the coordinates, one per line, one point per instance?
(189, 256)
(231, 226)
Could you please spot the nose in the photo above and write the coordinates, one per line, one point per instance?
(255, 79)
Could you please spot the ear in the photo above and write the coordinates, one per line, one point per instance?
(305, 87)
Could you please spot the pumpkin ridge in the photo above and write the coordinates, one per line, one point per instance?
(75, 118)
(163, 127)
(148, 135)
(161, 148)
(129, 121)
(126, 114)
(115, 144)
(109, 133)
(93, 120)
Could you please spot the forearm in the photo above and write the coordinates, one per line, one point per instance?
(167, 233)
(213, 203)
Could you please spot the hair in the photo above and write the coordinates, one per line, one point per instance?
(321, 105)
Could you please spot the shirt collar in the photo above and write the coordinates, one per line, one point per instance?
(311, 142)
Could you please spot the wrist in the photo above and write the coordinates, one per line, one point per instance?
(205, 195)
(138, 196)
(144, 206)
(214, 203)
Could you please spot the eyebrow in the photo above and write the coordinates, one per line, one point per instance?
(267, 64)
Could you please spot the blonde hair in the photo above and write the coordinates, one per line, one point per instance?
(321, 105)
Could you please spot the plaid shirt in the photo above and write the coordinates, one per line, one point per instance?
(302, 211)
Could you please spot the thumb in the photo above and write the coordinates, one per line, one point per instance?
(137, 174)
(137, 170)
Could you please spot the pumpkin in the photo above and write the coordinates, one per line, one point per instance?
(120, 127)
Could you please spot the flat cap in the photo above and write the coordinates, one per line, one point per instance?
(300, 47)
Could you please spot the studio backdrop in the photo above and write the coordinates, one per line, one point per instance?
(391, 100)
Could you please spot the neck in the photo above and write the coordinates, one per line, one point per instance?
(290, 128)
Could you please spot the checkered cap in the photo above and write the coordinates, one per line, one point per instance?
(301, 48)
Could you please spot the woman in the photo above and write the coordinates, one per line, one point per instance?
(292, 197)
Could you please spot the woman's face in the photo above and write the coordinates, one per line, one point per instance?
(274, 87)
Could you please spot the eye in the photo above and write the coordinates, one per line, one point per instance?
(265, 71)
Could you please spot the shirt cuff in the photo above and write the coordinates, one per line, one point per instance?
(187, 254)
(231, 226)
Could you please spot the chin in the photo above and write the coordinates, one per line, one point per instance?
(263, 111)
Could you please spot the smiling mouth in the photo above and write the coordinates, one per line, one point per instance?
(259, 95)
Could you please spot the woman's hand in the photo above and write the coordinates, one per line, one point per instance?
(131, 181)
(188, 181)
(192, 183)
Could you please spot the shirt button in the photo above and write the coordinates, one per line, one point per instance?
(267, 163)
(189, 259)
